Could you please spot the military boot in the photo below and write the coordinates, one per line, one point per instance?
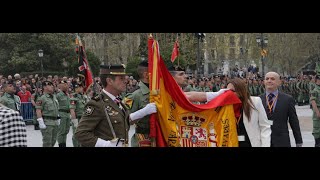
(62, 145)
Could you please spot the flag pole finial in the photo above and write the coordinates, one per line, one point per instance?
(150, 36)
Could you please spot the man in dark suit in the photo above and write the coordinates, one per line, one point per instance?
(280, 108)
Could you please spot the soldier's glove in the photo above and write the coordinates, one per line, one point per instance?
(75, 122)
(112, 143)
(149, 109)
(58, 122)
(212, 95)
(41, 123)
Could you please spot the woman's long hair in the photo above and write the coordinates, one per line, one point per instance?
(242, 90)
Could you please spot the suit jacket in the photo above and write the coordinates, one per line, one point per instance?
(259, 127)
(94, 123)
(284, 112)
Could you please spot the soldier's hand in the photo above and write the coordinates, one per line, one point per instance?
(75, 122)
(212, 95)
(116, 143)
(41, 123)
(149, 109)
(112, 143)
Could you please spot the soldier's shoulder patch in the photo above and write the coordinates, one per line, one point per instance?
(128, 102)
(89, 110)
(72, 102)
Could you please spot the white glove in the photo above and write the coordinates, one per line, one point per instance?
(41, 123)
(58, 122)
(113, 143)
(149, 109)
(75, 122)
(212, 95)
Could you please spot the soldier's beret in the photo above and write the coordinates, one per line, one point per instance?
(118, 70)
(144, 63)
(46, 83)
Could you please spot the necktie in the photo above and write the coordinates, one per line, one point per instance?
(118, 100)
(270, 101)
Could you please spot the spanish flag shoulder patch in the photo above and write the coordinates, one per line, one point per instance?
(128, 102)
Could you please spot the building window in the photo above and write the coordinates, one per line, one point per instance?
(241, 42)
(232, 43)
(232, 53)
(221, 39)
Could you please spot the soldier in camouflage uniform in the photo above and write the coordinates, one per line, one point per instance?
(300, 90)
(77, 104)
(8, 98)
(47, 110)
(315, 102)
(136, 101)
(64, 113)
(34, 97)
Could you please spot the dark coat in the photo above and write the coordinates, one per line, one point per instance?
(284, 112)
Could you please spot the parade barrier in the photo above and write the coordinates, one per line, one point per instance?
(26, 111)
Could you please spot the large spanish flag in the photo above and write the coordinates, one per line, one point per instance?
(178, 122)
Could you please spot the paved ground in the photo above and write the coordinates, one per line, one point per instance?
(305, 117)
(304, 114)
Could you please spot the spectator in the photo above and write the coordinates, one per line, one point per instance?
(13, 131)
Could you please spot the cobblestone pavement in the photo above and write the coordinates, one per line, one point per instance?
(304, 113)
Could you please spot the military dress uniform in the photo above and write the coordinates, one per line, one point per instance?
(64, 113)
(77, 102)
(105, 118)
(95, 123)
(49, 106)
(11, 101)
(136, 101)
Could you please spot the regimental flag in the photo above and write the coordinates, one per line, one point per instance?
(175, 51)
(179, 123)
(84, 65)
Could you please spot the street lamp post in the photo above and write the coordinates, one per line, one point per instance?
(40, 53)
(262, 42)
(199, 36)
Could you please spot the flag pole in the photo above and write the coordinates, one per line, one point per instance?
(179, 50)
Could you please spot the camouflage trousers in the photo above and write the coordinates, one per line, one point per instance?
(49, 135)
(75, 142)
(64, 129)
(316, 126)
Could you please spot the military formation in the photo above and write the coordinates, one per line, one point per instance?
(124, 101)
(298, 87)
